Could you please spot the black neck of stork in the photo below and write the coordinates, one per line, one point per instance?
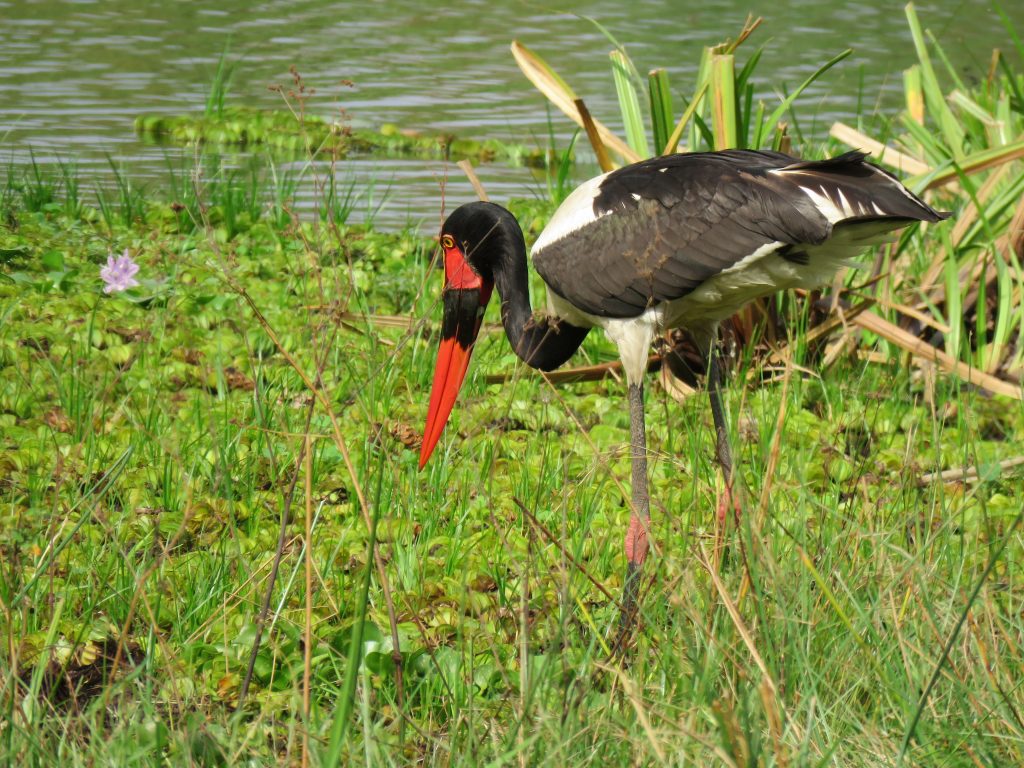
(498, 248)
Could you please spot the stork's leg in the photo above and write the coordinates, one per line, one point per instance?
(721, 437)
(640, 515)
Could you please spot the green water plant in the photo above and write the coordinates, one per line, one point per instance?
(965, 294)
(283, 131)
(719, 114)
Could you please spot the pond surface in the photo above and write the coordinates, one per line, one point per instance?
(75, 73)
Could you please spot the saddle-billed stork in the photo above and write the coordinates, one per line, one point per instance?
(681, 240)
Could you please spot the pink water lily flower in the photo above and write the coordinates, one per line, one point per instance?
(119, 274)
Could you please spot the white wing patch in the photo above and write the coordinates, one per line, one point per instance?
(576, 212)
(746, 261)
(832, 210)
(829, 207)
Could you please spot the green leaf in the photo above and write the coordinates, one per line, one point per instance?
(723, 100)
(780, 110)
(953, 300)
(688, 114)
(53, 261)
(952, 133)
(977, 161)
(629, 104)
(7, 255)
(661, 108)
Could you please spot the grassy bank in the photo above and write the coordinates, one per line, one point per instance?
(270, 366)
(152, 441)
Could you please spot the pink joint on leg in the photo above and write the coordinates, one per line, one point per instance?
(636, 541)
(725, 501)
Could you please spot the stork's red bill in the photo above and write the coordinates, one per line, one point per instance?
(464, 296)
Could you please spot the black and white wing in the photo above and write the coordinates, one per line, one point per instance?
(654, 231)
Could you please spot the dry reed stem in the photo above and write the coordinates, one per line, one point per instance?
(879, 152)
(737, 621)
(966, 474)
(629, 686)
(869, 321)
(307, 652)
(590, 126)
(478, 187)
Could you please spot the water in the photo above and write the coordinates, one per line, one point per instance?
(75, 73)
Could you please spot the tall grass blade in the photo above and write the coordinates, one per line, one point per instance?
(787, 103)
(1004, 313)
(219, 87)
(914, 93)
(952, 133)
(700, 95)
(954, 297)
(944, 656)
(548, 82)
(629, 105)
(633, 73)
(688, 114)
(661, 108)
(723, 100)
(1011, 30)
(968, 105)
(343, 711)
(950, 69)
(980, 341)
(976, 162)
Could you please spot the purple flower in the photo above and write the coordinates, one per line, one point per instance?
(119, 274)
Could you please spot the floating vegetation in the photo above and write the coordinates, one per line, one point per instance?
(286, 131)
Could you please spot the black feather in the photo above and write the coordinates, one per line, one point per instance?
(666, 225)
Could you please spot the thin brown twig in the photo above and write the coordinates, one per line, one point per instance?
(565, 553)
(478, 187)
(966, 474)
(308, 633)
(773, 455)
(282, 537)
(594, 135)
(342, 447)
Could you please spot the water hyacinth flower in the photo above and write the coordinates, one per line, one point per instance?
(119, 274)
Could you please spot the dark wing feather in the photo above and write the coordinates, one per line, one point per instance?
(664, 226)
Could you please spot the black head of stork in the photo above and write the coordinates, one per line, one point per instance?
(483, 248)
(676, 241)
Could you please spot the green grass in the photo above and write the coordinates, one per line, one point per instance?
(150, 442)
